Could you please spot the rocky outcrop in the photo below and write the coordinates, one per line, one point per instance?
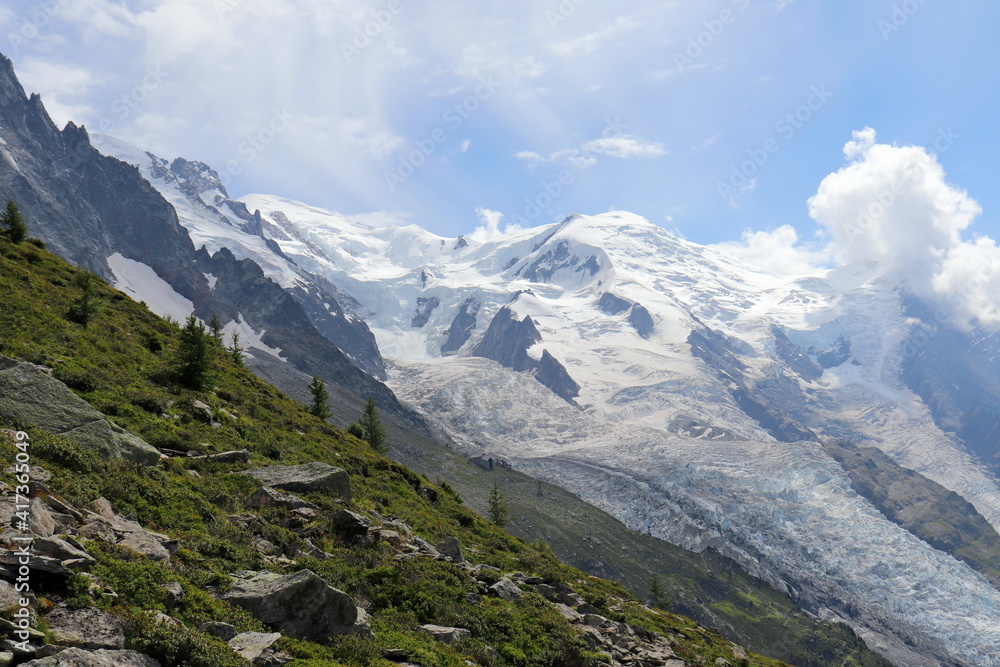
(507, 341)
(461, 327)
(30, 395)
(641, 320)
(422, 313)
(444, 634)
(307, 478)
(299, 605)
(75, 657)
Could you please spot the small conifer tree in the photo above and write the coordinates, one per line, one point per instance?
(195, 354)
(356, 430)
(371, 426)
(215, 327)
(498, 512)
(320, 397)
(85, 307)
(13, 221)
(236, 351)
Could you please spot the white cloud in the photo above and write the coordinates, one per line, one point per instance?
(465, 145)
(622, 146)
(594, 41)
(892, 206)
(60, 84)
(778, 251)
(489, 228)
(370, 135)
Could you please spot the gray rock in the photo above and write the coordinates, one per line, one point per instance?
(265, 496)
(350, 523)
(146, 543)
(392, 537)
(40, 519)
(6, 658)
(452, 548)
(28, 394)
(103, 507)
(223, 631)
(426, 547)
(202, 411)
(75, 657)
(305, 478)
(86, 628)
(35, 473)
(507, 590)
(235, 456)
(570, 614)
(547, 592)
(300, 605)
(251, 645)
(175, 593)
(445, 634)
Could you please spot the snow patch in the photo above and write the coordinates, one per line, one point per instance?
(211, 280)
(250, 339)
(142, 283)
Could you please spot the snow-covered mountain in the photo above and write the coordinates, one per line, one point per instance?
(669, 384)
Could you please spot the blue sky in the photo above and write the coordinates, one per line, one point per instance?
(577, 105)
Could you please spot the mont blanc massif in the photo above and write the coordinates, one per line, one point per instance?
(830, 433)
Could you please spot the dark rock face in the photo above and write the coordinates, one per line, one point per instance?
(613, 305)
(558, 258)
(794, 357)
(424, 310)
(641, 320)
(957, 374)
(719, 352)
(928, 510)
(462, 326)
(507, 341)
(837, 355)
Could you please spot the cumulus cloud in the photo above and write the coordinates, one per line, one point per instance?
(489, 227)
(778, 250)
(892, 206)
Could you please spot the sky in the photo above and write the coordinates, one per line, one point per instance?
(730, 122)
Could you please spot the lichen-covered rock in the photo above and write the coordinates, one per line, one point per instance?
(251, 645)
(445, 634)
(87, 628)
(452, 548)
(76, 657)
(29, 394)
(310, 477)
(299, 605)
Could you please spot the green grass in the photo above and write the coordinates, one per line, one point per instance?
(124, 364)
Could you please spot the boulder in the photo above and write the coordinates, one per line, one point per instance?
(52, 555)
(223, 631)
(299, 605)
(391, 536)
(87, 628)
(310, 477)
(147, 544)
(40, 519)
(445, 634)
(507, 590)
(265, 496)
(350, 523)
(452, 548)
(251, 645)
(570, 614)
(76, 657)
(29, 394)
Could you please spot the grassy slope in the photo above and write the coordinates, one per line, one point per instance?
(113, 365)
(707, 587)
